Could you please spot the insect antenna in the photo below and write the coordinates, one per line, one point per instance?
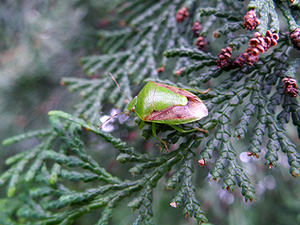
(119, 86)
(125, 112)
(111, 118)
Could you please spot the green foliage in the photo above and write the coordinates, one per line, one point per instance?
(62, 177)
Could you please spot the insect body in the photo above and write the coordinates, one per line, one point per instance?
(161, 103)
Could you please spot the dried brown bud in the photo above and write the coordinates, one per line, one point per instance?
(173, 204)
(273, 43)
(268, 41)
(196, 28)
(260, 49)
(201, 162)
(271, 39)
(294, 33)
(103, 23)
(122, 23)
(254, 51)
(160, 69)
(270, 165)
(240, 60)
(178, 72)
(250, 20)
(216, 34)
(290, 86)
(257, 34)
(182, 14)
(200, 43)
(269, 33)
(253, 42)
(252, 154)
(252, 59)
(294, 174)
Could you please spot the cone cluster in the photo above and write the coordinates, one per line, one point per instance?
(200, 43)
(250, 20)
(196, 28)
(224, 56)
(290, 86)
(257, 44)
(182, 14)
(295, 38)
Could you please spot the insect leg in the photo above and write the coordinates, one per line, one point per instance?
(154, 135)
(200, 92)
(187, 131)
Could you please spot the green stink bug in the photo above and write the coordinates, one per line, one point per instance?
(161, 103)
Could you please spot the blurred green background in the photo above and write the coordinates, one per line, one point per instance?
(41, 41)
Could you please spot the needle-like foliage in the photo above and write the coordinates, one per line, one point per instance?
(252, 98)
